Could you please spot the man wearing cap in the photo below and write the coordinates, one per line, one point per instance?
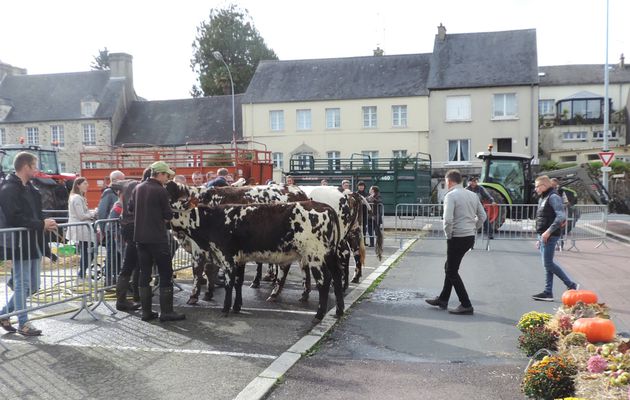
(152, 209)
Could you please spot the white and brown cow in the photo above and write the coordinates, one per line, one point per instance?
(231, 235)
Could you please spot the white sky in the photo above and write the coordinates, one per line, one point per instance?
(46, 36)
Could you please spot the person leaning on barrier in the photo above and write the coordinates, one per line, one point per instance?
(463, 215)
(108, 197)
(152, 209)
(484, 197)
(550, 218)
(22, 206)
(78, 212)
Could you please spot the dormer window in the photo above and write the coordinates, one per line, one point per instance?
(5, 109)
(88, 108)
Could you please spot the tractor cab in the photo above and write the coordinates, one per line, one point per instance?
(509, 174)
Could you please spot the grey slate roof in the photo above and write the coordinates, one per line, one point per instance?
(584, 94)
(57, 97)
(469, 60)
(177, 122)
(339, 78)
(582, 74)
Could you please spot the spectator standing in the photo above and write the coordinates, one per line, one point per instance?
(324, 182)
(78, 211)
(290, 180)
(108, 197)
(152, 210)
(220, 180)
(549, 220)
(180, 179)
(197, 178)
(22, 207)
(376, 219)
(463, 215)
(484, 197)
(345, 185)
(363, 192)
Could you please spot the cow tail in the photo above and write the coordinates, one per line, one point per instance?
(362, 249)
(379, 243)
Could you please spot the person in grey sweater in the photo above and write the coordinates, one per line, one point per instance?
(463, 215)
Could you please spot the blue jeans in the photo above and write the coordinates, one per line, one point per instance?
(25, 282)
(547, 251)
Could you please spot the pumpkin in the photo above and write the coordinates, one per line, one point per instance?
(571, 297)
(596, 329)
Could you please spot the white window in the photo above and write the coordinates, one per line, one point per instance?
(334, 160)
(546, 107)
(458, 108)
(369, 117)
(599, 135)
(89, 164)
(574, 136)
(333, 118)
(304, 160)
(3, 136)
(278, 160)
(87, 109)
(399, 153)
(504, 106)
(89, 134)
(57, 136)
(459, 150)
(303, 120)
(62, 166)
(370, 157)
(399, 116)
(32, 135)
(276, 120)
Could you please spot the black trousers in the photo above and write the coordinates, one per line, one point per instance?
(160, 254)
(130, 259)
(456, 248)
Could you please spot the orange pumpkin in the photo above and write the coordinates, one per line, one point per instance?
(570, 297)
(596, 329)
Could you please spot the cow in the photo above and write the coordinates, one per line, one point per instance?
(234, 195)
(279, 233)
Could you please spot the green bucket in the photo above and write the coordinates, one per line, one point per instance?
(66, 250)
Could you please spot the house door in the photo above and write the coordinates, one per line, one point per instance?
(504, 145)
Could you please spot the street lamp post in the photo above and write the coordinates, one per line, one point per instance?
(218, 56)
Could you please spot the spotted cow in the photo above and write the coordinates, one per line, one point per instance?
(281, 233)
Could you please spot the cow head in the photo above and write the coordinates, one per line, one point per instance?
(182, 197)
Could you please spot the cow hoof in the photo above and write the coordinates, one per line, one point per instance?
(208, 296)
(338, 314)
(304, 298)
(272, 298)
(255, 285)
(237, 310)
(317, 319)
(224, 314)
(355, 279)
(192, 301)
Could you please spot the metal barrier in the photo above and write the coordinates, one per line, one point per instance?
(372, 222)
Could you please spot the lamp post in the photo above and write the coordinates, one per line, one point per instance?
(218, 56)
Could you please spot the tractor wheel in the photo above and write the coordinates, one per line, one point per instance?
(499, 218)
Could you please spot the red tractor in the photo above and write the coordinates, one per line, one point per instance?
(53, 185)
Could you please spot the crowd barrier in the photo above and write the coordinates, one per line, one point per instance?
(80, 263)
(507, 222)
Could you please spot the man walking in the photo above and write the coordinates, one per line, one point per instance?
(22, 207)
(549, 221)
(463, 215)
(152, 210)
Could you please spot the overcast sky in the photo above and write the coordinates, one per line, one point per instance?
(46, 36)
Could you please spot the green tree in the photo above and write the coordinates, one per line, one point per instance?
(231, 32)
(101, 62)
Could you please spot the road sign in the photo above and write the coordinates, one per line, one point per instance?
(606, 157)
(605, 169)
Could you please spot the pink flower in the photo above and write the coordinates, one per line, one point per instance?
(597, 364)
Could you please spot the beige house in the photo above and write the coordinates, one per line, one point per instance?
(571, 109)
(74, 112)
(483, 90)
(335, 109)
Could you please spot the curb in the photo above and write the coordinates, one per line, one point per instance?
(262, 385)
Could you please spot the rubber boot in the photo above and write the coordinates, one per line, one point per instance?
(145, 299)
(122, 287)
(166, 306)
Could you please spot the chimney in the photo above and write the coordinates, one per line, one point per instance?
(622, 61)
(121, 66)
(441, 32)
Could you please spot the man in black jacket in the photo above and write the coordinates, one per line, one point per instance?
(22, 207)
(152, 210)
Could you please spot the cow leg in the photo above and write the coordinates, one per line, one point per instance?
(256, 282)
(229, 285)
(270, 276)
(358, 270)
(196, 285)
(211, 271)
(240, 277)
(283, 271)
(337, 286)
(323, 286)
(306, 283)
(345, 263)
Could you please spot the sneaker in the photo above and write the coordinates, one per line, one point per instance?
(437, 302)
(542, 296)
(577, 286)
(6, 325)
(28, 330)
